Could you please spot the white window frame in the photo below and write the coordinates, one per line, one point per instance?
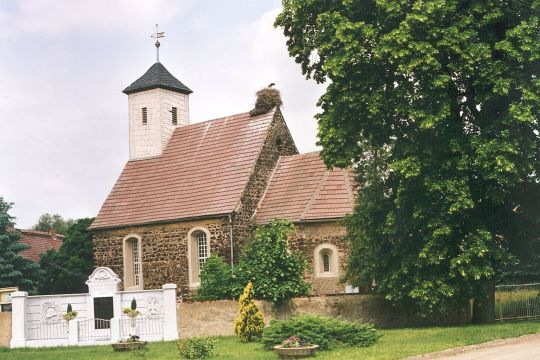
(332, 252)
(132, 260)
(194, 254)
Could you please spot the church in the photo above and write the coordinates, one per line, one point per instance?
(189, 191)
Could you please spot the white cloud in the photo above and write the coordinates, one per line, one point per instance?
(51, 18)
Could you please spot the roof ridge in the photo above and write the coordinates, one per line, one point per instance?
(259, 154)
(270, 179)
(315, 194)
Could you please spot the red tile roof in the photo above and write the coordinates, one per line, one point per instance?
(303, 189)
(203, 171)
(40, 242)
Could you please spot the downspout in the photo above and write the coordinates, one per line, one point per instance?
(231, 239)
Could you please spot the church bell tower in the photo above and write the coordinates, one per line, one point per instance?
(158, 103)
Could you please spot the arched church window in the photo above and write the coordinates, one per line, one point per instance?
(326, 261)
(132, 262)
(198, 252)
(202, 248)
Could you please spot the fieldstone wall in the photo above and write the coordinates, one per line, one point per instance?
(279, 142)
(215, 318)
(310, 235)
(164, 250)
(5, 329)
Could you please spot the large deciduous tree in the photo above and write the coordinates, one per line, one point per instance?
(436, 104)
(14, 269)
(66, 270)
(57, 222)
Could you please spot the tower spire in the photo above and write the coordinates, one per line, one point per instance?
(156, 36)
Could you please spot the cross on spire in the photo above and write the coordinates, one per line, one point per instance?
(156, 36)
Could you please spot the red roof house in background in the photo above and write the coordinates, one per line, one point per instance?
(39, 242)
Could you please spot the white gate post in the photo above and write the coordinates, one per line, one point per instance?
(73, 329)
(115, 328)
(18, 323)
(170, 325)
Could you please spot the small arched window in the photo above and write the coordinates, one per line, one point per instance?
(133, 262)
(326, 261)
(198, 252)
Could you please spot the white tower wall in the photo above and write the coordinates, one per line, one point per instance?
(150, 139)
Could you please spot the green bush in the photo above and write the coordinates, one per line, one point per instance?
(323, 331)
(216, 280)
(196, 348)
(277, 275)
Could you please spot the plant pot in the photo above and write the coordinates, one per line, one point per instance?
(128, 346)
(295, 353)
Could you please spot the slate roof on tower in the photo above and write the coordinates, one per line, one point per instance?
(303, 189)
(202, 172)
(157, 77)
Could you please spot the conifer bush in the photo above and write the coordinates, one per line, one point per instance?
(323, 331)
(250, 323)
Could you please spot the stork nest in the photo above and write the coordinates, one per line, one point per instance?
(267, 99)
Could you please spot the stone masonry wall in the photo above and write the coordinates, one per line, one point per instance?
(5, 329)
(164, 250)
(278, 142)
(215, 318)
(310, 235)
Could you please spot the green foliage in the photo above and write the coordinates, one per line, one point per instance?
(69, 308)
(216, 280)
(276, 274)
(196, 348)
(66, 270)
(436, 104)
(250, 322)
(48, 221)
(14, 269)
(322, 331)
(133, 304)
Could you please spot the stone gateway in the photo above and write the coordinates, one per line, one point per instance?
(192, 190)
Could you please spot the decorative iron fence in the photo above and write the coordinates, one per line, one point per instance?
(144, 326)
(47, 331)
(517, 302)
(94, 330)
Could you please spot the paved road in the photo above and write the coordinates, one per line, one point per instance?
(522, 348)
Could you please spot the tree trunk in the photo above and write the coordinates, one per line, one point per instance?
(484, 304)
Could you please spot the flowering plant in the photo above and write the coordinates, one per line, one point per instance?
(70, 314)
(294, 342)
(132, 312)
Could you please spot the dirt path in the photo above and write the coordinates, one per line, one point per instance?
(524, 347)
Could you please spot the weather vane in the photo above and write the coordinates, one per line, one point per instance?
(156, 36)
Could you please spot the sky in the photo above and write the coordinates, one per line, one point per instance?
(64, 64)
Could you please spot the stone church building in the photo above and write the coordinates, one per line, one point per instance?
(192, 190)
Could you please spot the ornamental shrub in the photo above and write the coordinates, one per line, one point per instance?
(277, 274)
(196, 348)
(250, 323)
(216, 280)
(323, 331)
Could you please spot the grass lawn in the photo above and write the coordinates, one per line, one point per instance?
(395, 344)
